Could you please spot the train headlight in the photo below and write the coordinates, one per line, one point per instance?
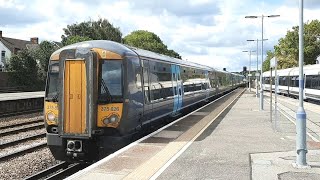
(106, 121)
(51, 116)
(112, 119)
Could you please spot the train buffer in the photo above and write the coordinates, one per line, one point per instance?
(227, 139)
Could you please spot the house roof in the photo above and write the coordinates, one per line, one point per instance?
(18, 44)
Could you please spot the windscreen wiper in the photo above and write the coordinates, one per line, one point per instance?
(106, 91)
(53, 98)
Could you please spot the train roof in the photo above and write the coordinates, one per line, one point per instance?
(307, 69)
(103, 44)
(125, 50)
(153, 55)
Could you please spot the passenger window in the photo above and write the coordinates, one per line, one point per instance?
(315, 82)
(161, 81)
(308, 81)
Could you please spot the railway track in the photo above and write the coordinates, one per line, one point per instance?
(12, 143)
(58, 171)
(18, 128)
(21, 124)
(20, 113)
(22, 151)
(22, 129)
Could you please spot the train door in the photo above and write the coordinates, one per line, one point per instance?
(177, 88)
(180, 87)
(77, 100)
(75, 97)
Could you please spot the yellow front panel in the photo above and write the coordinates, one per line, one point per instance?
(51, 107)
(75, 97)
(105, 54)
(107, 110)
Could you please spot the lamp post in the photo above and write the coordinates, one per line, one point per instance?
(257, 61)
(261, 79)
(301, 114)
(249, 75)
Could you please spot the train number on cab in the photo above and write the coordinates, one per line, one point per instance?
(106, 108)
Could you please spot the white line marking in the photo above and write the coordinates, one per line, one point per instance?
(89, 168)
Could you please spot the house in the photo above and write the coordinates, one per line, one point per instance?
(9, 46)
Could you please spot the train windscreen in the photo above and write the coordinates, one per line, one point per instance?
(111, 89)
(52, 84)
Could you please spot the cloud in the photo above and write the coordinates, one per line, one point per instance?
(181, 8)
(308, 4)
(10, 16)
(210, 32)
(16, 13)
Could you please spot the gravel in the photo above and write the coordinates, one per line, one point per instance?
(27, 165)
(21, 146)
(19, 117)
(20, 135)
(8, 122)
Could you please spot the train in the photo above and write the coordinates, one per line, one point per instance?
(100, 94)
(288, 82)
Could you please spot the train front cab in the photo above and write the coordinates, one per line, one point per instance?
(84, 103)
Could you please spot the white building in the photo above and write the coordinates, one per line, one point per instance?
(9, 46)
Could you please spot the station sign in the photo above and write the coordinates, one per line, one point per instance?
(273, 62)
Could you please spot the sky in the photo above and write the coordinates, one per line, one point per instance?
(209, 32)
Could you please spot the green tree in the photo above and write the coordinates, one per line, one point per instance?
(24, 71)
(75, 39)
(287, 50)
(42, 55)
(149, 41)
(101, 29)
(29, 66)
(266, 62)
(172, 53)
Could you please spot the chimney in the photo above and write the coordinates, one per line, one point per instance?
(34, 40)
(0, 34)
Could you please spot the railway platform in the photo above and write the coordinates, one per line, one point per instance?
(21, 95)
(19, 103)
(227, 139)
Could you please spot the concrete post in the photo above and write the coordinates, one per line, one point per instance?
(249, 71)
(257, 69)
(301, 114)
(261, 78)
(271, 95)
(276, 84)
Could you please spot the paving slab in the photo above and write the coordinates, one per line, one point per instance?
(280, 165)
